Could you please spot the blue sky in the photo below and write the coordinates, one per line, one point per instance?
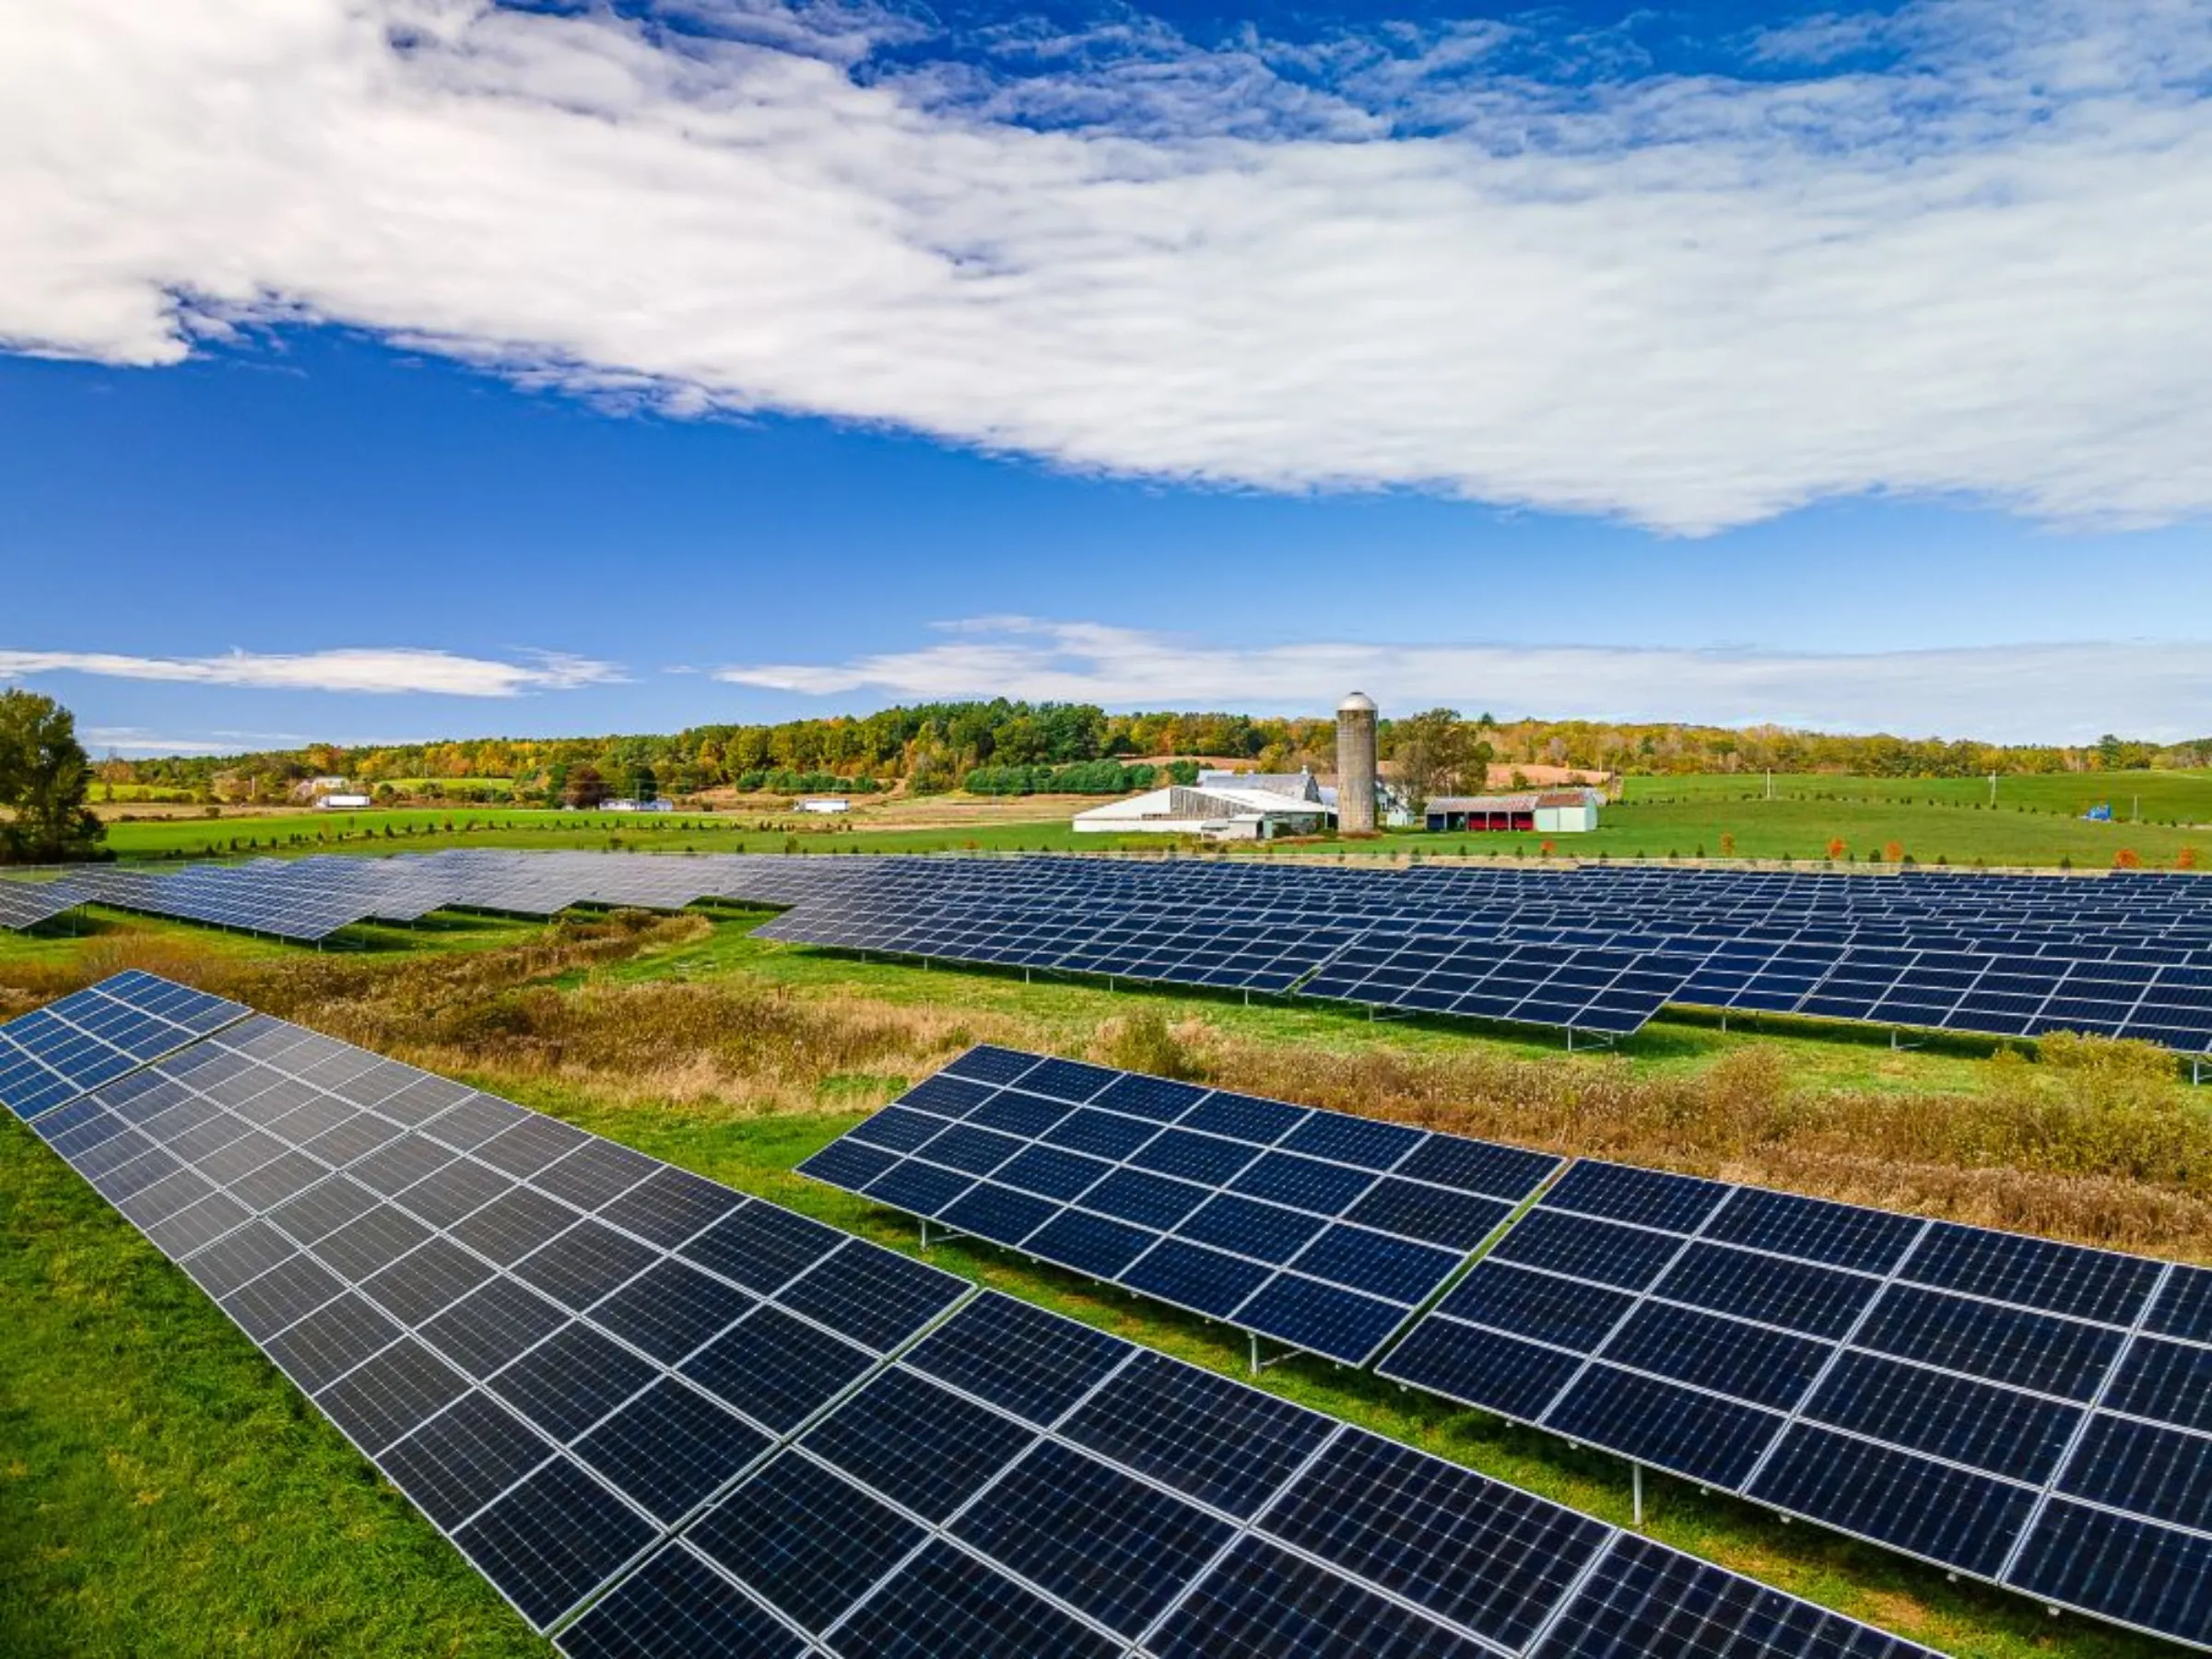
(397, 372)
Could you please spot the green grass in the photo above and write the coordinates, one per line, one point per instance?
(163, 1491)
(168, 1492)
(431, 830)
(1817, 1053)
(2036, 823)
(2182, 798)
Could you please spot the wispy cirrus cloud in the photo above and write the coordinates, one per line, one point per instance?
(1959, 251)
(395, 671)
(2064, 692)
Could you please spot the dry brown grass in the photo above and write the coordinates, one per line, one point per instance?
(2096, 1142)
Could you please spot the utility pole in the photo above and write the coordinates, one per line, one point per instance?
(1993, 789)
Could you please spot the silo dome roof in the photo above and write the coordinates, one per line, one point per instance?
(1358, 702)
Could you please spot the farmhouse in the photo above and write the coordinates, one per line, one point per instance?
(1562, 811)
(1217, 811)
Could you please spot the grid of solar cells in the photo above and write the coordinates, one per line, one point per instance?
(55, 1053)
(1018, 1483)
(1597, 949)
(556, 1347)
(1318, 1229)
(2027, 1412)
(28, 904)
(563, 1351)
(1596, 988)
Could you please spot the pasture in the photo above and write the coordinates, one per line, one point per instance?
(2036, 823)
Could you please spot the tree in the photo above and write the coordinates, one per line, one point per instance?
(587, 788)
(1435, 753)
(645, 785)
(44, 773)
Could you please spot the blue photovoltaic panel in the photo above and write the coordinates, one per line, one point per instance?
(359, 1281)
(1319, 1229)
(70, 1047)
(1922, 1384)
(484, 1300)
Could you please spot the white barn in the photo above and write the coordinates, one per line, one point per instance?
(1215, 811)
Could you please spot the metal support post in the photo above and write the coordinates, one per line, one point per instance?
(1635, 1484)
(925, 1233)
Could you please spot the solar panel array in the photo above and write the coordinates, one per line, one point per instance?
(1599, 949)
(1320, 1229)
(55, 1054)
(2035, 1414)
(25, 905)
(669, 1419)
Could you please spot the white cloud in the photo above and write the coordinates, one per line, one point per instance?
(2027, 693)
(389, 672)
(1690, 301)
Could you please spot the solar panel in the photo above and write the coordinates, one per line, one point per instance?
(570, 1463)
(1596, 949)
(1020, 1483)
(459, 1287)
(1316, 1228)
(68, 1048)
(25, 905)
(1951, 1391)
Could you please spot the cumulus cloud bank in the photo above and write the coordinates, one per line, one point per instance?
(392, 672)
(2020, 693)
(1954, 251)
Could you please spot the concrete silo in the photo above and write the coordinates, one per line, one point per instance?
(1356, 765)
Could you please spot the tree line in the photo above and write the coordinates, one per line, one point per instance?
(933, 748)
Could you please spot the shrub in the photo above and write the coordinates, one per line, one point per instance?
(1144, 1042)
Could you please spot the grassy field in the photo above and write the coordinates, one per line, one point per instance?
(165, 1491)
(2170, 797)
(1943, 822)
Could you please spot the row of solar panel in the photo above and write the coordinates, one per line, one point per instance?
(544, 883)
(1607, 984)
(699, 1416)
(1322, 1231)
(2035, 1414)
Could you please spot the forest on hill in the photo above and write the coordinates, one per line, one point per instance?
(933, 748)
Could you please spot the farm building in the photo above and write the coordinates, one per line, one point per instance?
(1217, 812)
(337, 801)
(825, 804)
(1561, 811)
(1299, 785)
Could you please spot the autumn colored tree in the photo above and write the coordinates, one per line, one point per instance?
(2185, 859)
(587, 788)
(1727, 845)
(2127, 858)
(1837, 848)
(1893, 852)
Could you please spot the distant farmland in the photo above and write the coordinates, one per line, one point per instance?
(2036, 822)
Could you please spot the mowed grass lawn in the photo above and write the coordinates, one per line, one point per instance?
(164, 1490)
